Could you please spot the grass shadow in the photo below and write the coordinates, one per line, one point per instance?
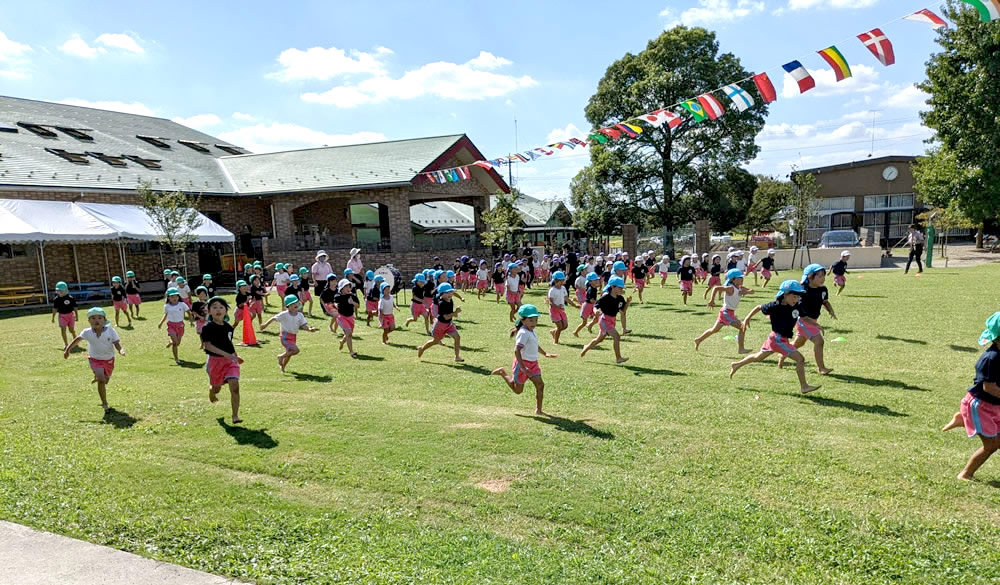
(244, 436)
(648, 336)
(190, 365)
(838, 330)
(402, 345)
(870, 409)
(300, 377)
(571, 426)
(119, 419)
(465, 367)
(866, 296)
(640, 370)
(903, 339)
(268, 333)
(138, 318)
(876, 382)
(963, 348)
(369, 358)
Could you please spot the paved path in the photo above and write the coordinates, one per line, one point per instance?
(31, 557)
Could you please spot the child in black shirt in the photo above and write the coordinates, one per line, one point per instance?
(132, 296)
(119, 300)
(444, 325)
(686, 275)
(65, 306)
(347, 303)
(784, 313)
(257, 293)
(839, 270)
(609, 305)
(639, 273)
(223, 364)
(767, 267)
(417, 307)
(813, 301)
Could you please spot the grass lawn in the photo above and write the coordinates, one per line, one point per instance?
(659, 471)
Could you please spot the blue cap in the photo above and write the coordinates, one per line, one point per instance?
(420, 277)
(437, 274)
(592, 277)
(445, 288)
(331, 276)
(379, 278)
(348, 272)
(616, 281)
(619, 266)
(383, 286)
(450, 274)
(790, 286)
(172, 292)
(812, 269)
(733, 275)
(558, 275)
(293, 278)
(370, 274)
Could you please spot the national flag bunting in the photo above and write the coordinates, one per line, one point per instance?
(741, 99)
(559, 145)
(765, 88)
(696, 110)
(598, 138)
(611, 133)
(988, 9)
(578, 142)
(531, 155)
(836, 59)
(430, 177)
(518, 157)
(927, 16)
(453, 175)
(483, 164)
(800, 75)
(629, 130)
(463, 173)
(658, 118)
(543, 151)
(713, 107)
(879, 45)
(441, 178)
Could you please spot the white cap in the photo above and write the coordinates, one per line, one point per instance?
(754, 248)
(731, 248)
(845, 253)
(343, 282)
(770, 251)
(321, 253)
(355, 252)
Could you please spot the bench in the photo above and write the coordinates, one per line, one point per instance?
(19, 300)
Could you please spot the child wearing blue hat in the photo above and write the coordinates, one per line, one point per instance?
(609, 305)
(418, 308)
(386, 306)
(814, 300)
(444, 325)
(784, 313)
(306, 283)
(513, 286)
(372, 295)
(102, 342)
(291, 320)
(732, 291)
(980, 409)
(526, 351)
(587, 312)
(557, 299)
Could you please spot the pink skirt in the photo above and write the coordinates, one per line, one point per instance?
(346, 323)
(481, 284)
(120, 305)
(608, 324)
(587, 310)
(105, 367)
(980, 418)
(558, 314)
(371, 306)
(687, 286)
(728, 317)
(387, 322)
(778, 344)
(526, 370)
(418, 309)
(305, 296)
(765, 273)
(807, 330)
(175, 329)
(499, 288)
(513, 298)
(714, 281)
(839, 279)
(133, 299)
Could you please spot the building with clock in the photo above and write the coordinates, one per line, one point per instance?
(875, 193)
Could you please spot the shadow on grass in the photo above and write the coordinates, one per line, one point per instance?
(402, 345)
(866, 296)
(648, 336)
(119, 419)
(838, 330)
(465, 367)
(268, 333)
(369, 358)
(138, 318)
(190, 365)
(870, 409)
(876, 382)
(903, 339)
(244, 436)
(639, 370)
(300, 377)
(963, 348)
(571, 426)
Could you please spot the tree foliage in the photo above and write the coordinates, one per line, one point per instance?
(803, 199)
(597, 213)
(673, 176)
(770, 197)
(504, 221)
(174, 215)
(963, 81)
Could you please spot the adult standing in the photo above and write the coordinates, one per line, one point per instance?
(915, 240)
(571, 261)
(357, 267)
(320, 270)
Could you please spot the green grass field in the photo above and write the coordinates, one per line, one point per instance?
(659, 471)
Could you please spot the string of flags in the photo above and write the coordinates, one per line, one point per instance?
(707, 106)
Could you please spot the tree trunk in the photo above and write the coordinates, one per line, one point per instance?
(979, 237)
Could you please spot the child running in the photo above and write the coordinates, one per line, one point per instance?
(639, 275)
(119, 300)
(347, 303)
(199, 310)
(498, 277)
(557, 299)
(714, 272)
(587, 311)
(417, 307)
(767, 267)
(444, 325)
(306, 284)
(482, 279)
(132, 296)
(173, 315)
(64, 305)
(257, 293)
(815, 299)
(291, 320)
(664, 269)
(184, 291)
(102, 341)
(242, 303)
(608, 306)
(686, 275)
(526, 350)
(784, 313)
(386, 306)
(223, 365)
(732, 291)
(371, 297)
(206, 281)
(980, 409)
(513, 288)
(839, 270)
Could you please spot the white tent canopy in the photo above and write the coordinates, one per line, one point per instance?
(23, 220)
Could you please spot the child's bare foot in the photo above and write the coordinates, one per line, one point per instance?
(808, 389)
(825, 371)
(583, 352)
(458, 359)
(963, 477)
(621, 360)
(956, 421)
(745, 351)
(732, 369)
(781, 363)
(499, 372)
(213, 395)
(539, 412)
(420, 351)
(696, 344)
(237, 421)
(354, 354)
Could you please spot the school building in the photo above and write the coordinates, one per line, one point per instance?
(282, 206)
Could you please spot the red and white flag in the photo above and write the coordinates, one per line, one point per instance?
(926, 16)
(658, 118)
(483, 165)
(463, 173)
(765, 88)
(879, 45)
(712, 106)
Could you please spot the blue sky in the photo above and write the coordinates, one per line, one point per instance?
(272, 76)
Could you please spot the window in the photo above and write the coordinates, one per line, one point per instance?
(157, 142)
(149, 163)
(115, 161)
(194, 145)
(13, 250)
(39, 130)
(229, 149)
(835, 204)
(214, 216)
(73, 157)
(77, 133)
(842, 221)
(889, 201)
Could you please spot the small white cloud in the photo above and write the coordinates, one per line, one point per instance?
(327, 63)
(564, 134)
(864, 79)
(244, 117)
(805, 4)
(11, 50)
(713, 12)
(909, 97)
(79, 48)
(128, 108)
(199, 121)
(277, 136)
(487, 60)
(123, 41)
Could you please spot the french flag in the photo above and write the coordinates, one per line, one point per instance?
(800, 75)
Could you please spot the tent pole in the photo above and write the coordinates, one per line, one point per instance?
(107, 263)
(45, 278)
(76, 264)
(236, 272)
(121, 256)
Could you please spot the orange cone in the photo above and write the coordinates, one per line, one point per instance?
(249, 338)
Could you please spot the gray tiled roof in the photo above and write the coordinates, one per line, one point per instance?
(376, 164)
(452, 215)
(25, 162)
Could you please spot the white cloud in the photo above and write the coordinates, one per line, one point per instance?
(323, 64)
(13, 58)
(564, 134)
(199, 121)
(244, 117)
(712, 12)
(278, 136)
(910, 97)
(463, 82)
(128, 108)
(806, 4)
(123, 41)
(79, 48)
(865, 79)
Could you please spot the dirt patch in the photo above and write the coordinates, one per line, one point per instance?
(469, 426)
(495, 486)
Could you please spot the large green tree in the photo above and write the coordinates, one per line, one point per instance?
(963, 81)
(597, 214)
(770, 196)
(673, 176)
(504, 220)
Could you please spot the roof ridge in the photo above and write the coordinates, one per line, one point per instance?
(11, 97)
(234, 156)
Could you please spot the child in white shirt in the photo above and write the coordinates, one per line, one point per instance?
(526, 351)
(102, 341)
(291, 320)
